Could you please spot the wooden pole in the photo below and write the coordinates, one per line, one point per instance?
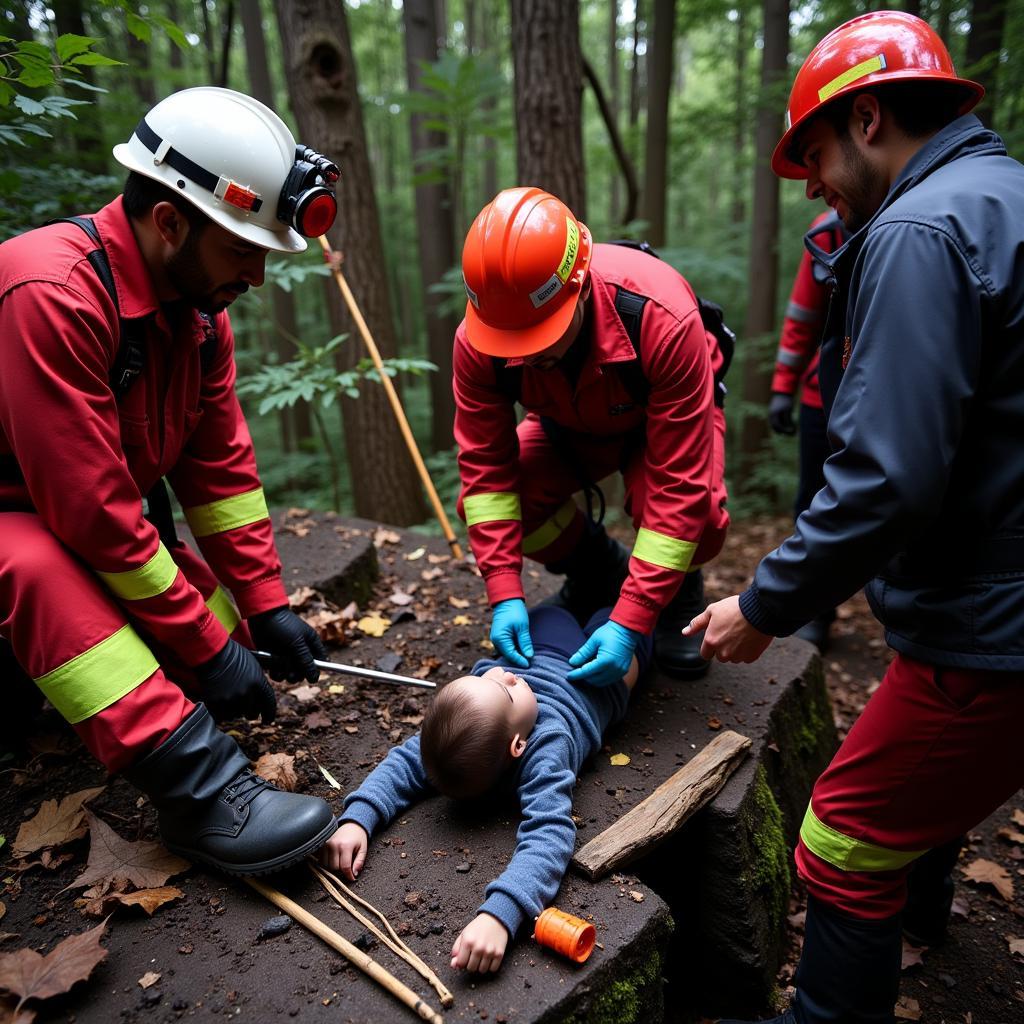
(396, 405)
(659, 815)
(351, 953)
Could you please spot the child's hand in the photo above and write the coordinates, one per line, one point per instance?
(345, 851)
(481, 945)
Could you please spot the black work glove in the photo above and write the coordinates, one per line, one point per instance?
(294, 642)
(233, 684)
(780, 413)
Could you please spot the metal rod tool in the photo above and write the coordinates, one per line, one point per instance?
(359, 673)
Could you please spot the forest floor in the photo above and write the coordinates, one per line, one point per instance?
(432, 617)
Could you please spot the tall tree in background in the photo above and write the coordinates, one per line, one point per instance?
(984, 44)
(739, 134)
(764, 238)
(87, 138)
(295, 424)
(324, 94)
(549, 95)
(658, 89)
(434, 223)
(636, 76)
(613, 97)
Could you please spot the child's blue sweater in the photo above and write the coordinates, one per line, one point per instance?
(570, 722)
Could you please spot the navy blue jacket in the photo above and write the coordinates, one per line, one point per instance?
(924, 490)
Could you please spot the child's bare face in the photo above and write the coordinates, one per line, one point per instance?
(503, 694)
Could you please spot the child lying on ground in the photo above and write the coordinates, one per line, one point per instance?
(483, 729)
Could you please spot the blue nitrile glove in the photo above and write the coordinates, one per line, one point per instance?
(605, 657)
(510, 631)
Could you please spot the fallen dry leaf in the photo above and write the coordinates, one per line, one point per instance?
(382, 537)
(714, 723)
(302, 596)
(148, 979)
(908, 1009)
(373, 625)
(911, 956)
(1011, 835)
(151, 900)
(457, 602)
(28, 975)
(278, 769)
(415, 556)
(11, 1014)
(619, 759)
(299, 529)
(335, 688)
(427, 666)
(636, 897)
(1018, 816)
(317, 720)
(330, 626)
(3, 910)
(462, 620)
(305, 693)
(145, 864)
(331, 780)
(431, 574)
(54, 824)
(988, 872)
(1016, 945)
(400, 597)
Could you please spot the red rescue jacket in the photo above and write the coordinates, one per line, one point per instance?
(82, 461)
(678, 358)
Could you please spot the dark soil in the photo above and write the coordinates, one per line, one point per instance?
(973, 978)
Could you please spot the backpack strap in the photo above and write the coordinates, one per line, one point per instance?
(630, 308)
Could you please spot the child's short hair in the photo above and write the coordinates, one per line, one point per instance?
(464, 749)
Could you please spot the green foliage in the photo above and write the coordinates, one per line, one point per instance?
(28, 64)
(288, 273)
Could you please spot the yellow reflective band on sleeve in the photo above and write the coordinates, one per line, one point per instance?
(223, 609)
(850, 854)
(227, 513)
(149, 580)
(490, 508)
(668, 552)
(94, 679)
(551, 529)
(865, 67)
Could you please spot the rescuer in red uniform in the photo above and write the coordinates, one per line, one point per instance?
(116, 370)
(606, 349)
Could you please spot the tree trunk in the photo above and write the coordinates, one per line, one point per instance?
(225, 45)
(434, 225)
(635, 75)
(656, 156)
(489, 179)
(764, 239)
(295, 424)
(621, 156)
(614, 193)
(549, 94)
(211, 43)
(739, 135)
(86, 140)
(321, 77)
(944, 14)
(988, 18)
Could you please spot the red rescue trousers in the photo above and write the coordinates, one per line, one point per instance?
(553, 524)
(935, 751)
(71, 636)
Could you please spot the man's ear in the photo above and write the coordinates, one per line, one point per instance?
(865, 117)
(170, 225)
(517, 746)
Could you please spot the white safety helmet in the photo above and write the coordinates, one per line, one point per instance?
(236, 160)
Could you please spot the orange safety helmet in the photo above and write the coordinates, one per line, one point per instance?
(524, 264)
(882, 47)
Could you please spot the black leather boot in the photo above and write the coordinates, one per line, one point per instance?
(212, 808)
(849, 970)
(816, 631)
(930, 889)
(594, 574)
(679, 655)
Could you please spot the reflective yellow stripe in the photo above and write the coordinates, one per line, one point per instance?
(668, 552)
(223, 610)
(865, 67)
(227, 513)
(96, 678)
(850, 854)
(489, 508)
(551, 529)
(153, 578)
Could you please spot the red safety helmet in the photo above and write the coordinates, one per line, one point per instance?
(524, 264)
(882, 47)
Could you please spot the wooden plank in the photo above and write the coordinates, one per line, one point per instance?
(657, 816)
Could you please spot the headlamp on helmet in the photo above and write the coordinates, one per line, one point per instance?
(307, 201)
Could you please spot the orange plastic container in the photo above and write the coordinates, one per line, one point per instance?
(571, 936)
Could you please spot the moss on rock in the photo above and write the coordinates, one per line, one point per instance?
(771, 861)
(625, 1000)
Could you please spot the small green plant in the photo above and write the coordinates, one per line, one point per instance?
(314, 378)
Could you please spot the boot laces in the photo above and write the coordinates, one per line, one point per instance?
(244, 788)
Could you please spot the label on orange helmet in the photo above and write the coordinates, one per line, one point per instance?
(572, 247)
(471, 293)
(865, 67)
(546, 292)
